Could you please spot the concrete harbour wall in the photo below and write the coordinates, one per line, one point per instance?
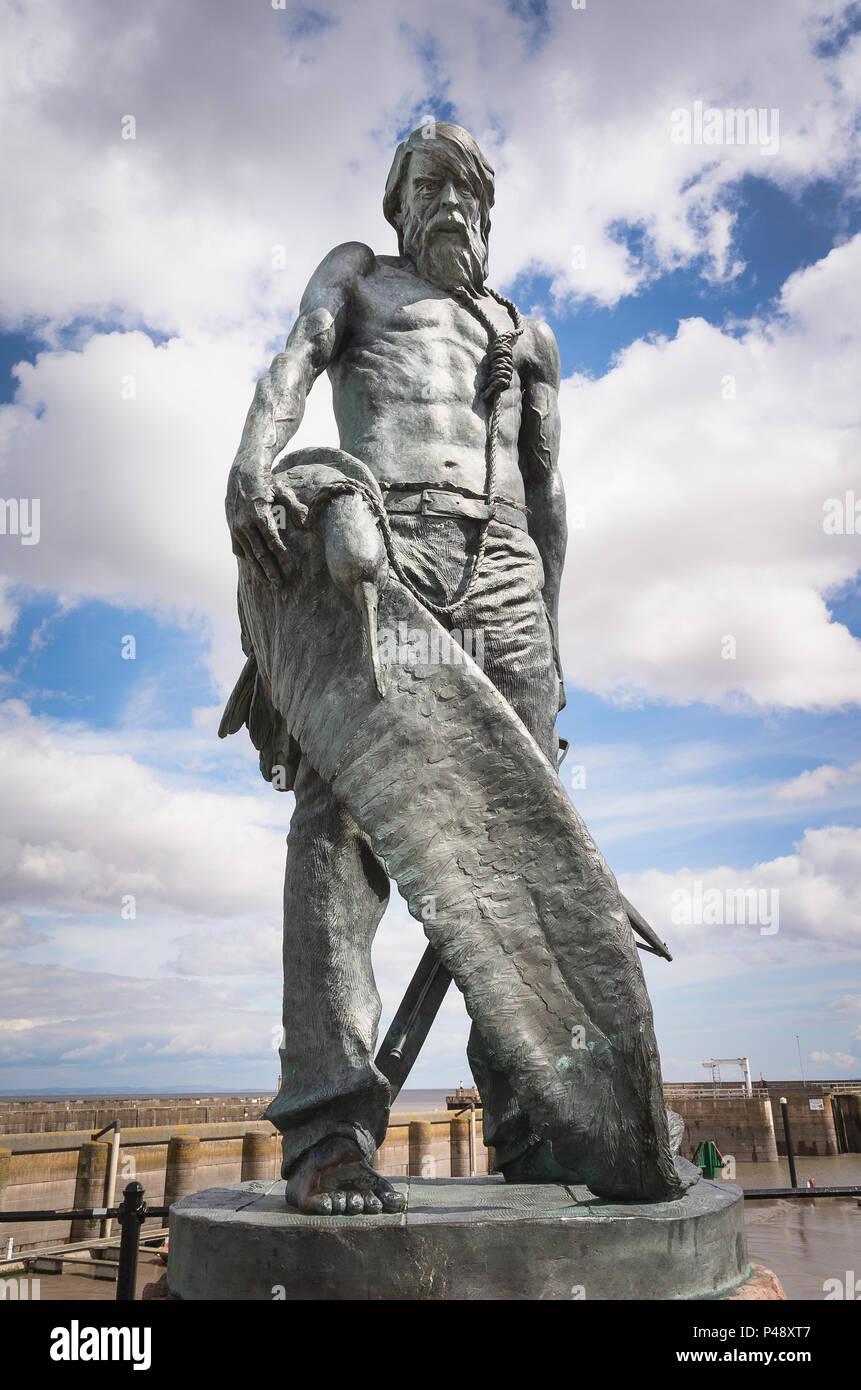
(41, 1170)
(741, 1127)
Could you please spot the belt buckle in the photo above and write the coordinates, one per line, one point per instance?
(430, 504)
(436, 502)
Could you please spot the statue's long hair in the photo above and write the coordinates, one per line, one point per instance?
(461, 144)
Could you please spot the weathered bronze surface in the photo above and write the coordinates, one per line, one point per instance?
(398, 600)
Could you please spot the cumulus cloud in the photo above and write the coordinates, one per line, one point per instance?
(702, 513)
(809, 896)
(702, 568)
(176, 226)
(257, 950)
(16, 934)
(818, 782)
(92, 824)
(700, 468)
(82, 826)
(80, 1019)
(80, 1022)
(127, 445)
(842, 1061)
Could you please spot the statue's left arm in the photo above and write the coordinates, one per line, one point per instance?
(538, 448)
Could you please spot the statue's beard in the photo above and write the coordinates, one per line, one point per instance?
(450, 261)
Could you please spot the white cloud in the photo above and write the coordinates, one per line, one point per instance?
(843, 1061)
(811, 896)
(16, 934)
(704, 515)
(659, 791)
(83, 1019)
(82, 825)
(86, 822)
(132, 490)
(818, 782)
(255, 951)
(251, 133)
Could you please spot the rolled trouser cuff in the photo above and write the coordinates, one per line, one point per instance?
(296, 1143)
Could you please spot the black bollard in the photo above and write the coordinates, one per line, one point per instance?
(784, 1110)
(131, 1215)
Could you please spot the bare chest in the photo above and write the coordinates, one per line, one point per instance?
(408, 342)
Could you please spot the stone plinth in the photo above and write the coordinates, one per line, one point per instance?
(459, 1238)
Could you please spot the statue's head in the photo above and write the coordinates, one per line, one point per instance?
(438, 198)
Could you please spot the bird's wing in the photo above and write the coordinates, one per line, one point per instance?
(238, 706)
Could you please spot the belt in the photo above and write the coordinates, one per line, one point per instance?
(438, 502)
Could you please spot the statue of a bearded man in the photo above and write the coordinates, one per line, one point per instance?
(444, 501)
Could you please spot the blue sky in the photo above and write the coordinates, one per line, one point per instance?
(151, 260)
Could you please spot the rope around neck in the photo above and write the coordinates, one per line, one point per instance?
(500, 360)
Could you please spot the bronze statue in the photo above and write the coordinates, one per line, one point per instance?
(442, 514)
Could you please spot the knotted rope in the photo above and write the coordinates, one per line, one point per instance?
(500, 369)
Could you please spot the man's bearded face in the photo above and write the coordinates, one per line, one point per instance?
(442, 222)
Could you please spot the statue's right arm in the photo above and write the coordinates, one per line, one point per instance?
(279, 404)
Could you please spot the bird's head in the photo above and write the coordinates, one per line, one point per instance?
(357, 561)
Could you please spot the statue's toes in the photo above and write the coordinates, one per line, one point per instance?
(319, 1205)
(355, 1203)
(393, 1201)
(373, 1205)
(339, 1202)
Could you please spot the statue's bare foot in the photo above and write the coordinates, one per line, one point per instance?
(334, 1179)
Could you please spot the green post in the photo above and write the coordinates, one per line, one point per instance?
(708, 1159)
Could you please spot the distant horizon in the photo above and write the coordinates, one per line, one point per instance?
(46, 1093)
(158, 1093)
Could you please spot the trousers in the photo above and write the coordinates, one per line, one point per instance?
(336, 889)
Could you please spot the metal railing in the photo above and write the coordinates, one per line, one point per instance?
(707, 1091)
(131, 1214)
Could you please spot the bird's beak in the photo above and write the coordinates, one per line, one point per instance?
(365, 599)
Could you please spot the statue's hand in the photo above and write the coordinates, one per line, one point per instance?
(253, 527)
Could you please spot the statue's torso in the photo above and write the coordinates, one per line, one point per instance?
(406, 385)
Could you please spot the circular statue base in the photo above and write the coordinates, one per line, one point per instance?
(464, 1238)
